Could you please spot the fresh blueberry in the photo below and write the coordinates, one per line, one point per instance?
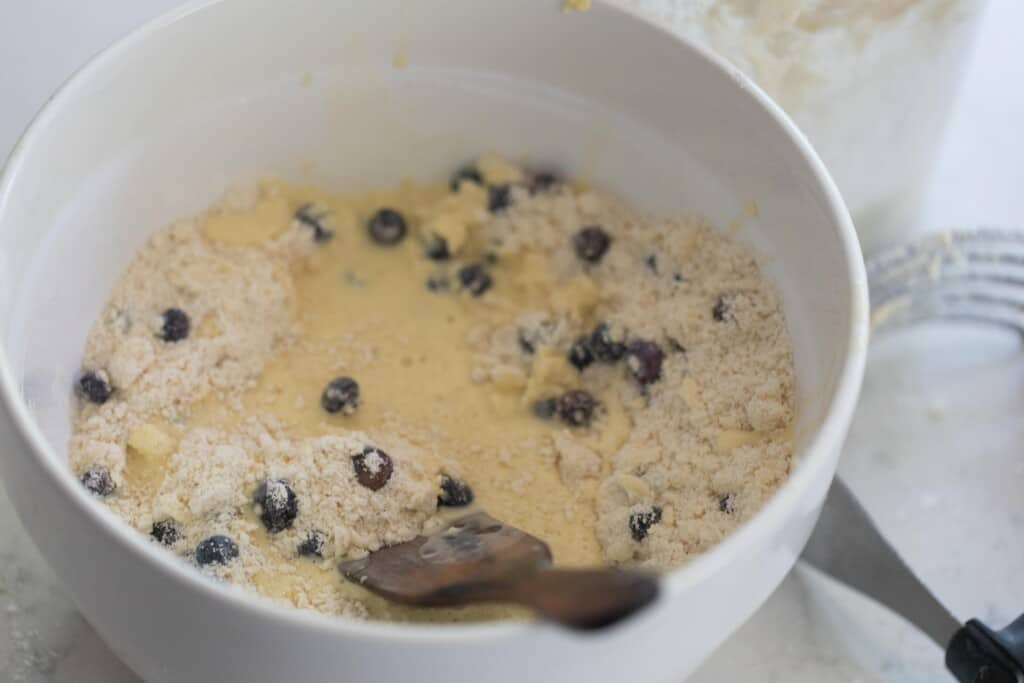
(218, 549)
(576, 407)
(438, 283)
(94, 386)
(312, 216)
(175, 325)
(727, 504)
(720, 312)
(591, 243)
(341, 395)
(454, 493)
(466, 173)
(436, 248)
(387, 227)
(545, 408)
(475, 278)
(165, 532)
(373, 468)
(97, 480)
(499, 198)
(525, 344)
(580, 354)
(312, 545)
(644, 359)
(652, 263)
(603, 346)
(543, 181)
(277, 504)
(641, 522)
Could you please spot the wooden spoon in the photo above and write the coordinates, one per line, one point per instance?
(479, 559)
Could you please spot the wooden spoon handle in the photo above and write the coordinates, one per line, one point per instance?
(585, 599)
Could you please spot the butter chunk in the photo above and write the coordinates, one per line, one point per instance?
(690, 391)
(731, 439)
(208, 328)
(576, 461)
(496, 170)
(454, 216)
(151, 442)
(452, 228)
(636, 489)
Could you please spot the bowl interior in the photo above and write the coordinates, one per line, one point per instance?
(160, 127)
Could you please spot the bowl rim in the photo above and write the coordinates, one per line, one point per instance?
(813, 457)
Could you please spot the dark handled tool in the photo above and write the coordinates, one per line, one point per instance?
(476, 559)
(847, 546)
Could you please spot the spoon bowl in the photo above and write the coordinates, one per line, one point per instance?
(477, 559)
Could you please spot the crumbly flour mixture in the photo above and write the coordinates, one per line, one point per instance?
(298, 377)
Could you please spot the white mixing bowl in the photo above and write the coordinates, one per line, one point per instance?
(357, 94)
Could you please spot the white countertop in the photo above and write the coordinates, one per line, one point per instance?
(934, 452)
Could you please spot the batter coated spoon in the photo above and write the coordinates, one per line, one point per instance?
(477, 559)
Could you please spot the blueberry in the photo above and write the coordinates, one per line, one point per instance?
(591, 243)
(341, 395)
(97, 480)
(216, 549)
(312, 545)
(438, 283)
(644, 359)
(525, 344)
(499, 198)
(312, 216)
(720, 312)
(94, 386)
(580, 354)
(603, 346)
(545, 408)
(454, 493)
(436, 248)
(641, 522)
(373, 468)
(466, 173)
(678, 277)
(165, 532)
(543, 181)
(276, 503)
(475, 278)
(576, 407)
(652, 263)
(386, 227)
(175, 325)
(727, 504)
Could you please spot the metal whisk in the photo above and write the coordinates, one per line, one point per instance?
(970, 275)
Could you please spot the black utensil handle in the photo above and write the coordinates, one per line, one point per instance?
(977, 654)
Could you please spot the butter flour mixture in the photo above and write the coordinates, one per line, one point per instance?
(298, 377)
